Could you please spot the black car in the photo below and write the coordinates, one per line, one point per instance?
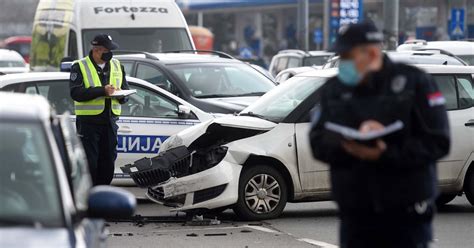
(214, 82)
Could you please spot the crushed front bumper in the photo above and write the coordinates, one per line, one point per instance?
(213, 188)
(188, 180)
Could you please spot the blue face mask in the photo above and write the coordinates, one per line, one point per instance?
(348, 74)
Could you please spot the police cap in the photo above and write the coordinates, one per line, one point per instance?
(353, 35)
(104, 40)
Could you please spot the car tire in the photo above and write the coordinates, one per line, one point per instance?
(444, 199)
(262, 193)
(469, 184)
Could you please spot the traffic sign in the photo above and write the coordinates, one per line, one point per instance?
(456, 27)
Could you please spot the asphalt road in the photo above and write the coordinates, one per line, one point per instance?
(301, 225)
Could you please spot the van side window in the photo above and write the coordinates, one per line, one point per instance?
(465, 90)
(447, 86)
(72, 45)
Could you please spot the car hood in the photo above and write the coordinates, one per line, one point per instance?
(236, 104)
(31, 237)
(189, 135)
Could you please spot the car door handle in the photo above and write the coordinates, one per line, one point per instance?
(470, 123)
(124, 129)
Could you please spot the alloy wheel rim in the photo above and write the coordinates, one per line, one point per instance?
(262, 193)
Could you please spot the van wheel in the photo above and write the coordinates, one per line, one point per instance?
(262, 193)
(444, 199)
(469, 184)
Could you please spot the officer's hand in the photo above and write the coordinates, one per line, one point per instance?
(363, 152)
(109, 90)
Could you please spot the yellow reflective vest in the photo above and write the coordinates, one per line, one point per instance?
(91, 79)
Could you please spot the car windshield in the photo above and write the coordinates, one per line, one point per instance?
(315, 60)
(11, 63)
(28, 189)
(468, 58)
(152, 40)
(277, 104)
(211, 80)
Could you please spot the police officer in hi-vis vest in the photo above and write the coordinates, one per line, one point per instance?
(93, 81)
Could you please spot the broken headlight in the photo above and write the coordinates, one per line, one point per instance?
(170, 143)
(203, 159)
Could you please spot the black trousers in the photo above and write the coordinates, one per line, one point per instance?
(100, 145)
(392, 229)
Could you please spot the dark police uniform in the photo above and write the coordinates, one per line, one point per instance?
(389, 202)
(98, 132)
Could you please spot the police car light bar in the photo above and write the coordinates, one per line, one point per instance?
(65, 66)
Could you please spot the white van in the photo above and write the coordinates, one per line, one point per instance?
(462, 49)
(64, 28)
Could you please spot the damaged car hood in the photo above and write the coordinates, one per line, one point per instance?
(189, 135)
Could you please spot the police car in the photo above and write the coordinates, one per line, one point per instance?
(45, 189)
(259, 160)
(148, 119)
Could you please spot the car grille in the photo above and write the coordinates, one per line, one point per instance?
(148, 172)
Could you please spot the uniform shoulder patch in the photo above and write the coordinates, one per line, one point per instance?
(73, 76)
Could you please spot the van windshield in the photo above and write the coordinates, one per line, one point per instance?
(153, 40)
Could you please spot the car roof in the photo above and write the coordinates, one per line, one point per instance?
(180, 58)
(16, 106)
(447, 69)
(327, 73)
(301, 53)
(44, 76)
(454, 47)
(432, 69)
(6, 54)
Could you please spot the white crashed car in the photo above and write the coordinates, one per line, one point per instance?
(261, 159)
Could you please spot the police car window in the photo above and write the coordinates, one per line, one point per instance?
(466, 91)
(147, 103)
(447, 86)
(153, 75)
(58, 95)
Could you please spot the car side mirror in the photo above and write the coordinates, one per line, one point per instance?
(110, 202)
(184, 111)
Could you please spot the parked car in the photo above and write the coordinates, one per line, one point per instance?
(261, 159)
(297, 58)
(147, 120)
(12, 62)
(461, 49)
(413, 57)
(291, 72)
(45, 187)
(214, 83)
(20, 44)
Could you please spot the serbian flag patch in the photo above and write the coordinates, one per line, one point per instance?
(436, 99)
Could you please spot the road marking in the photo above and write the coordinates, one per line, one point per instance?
(318, 243)
(261, 228)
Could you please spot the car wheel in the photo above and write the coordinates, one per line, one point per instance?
(444, 199)
(469, 184)
(262, 193)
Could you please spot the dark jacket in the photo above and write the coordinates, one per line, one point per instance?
(81, 94)
(406, 171)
